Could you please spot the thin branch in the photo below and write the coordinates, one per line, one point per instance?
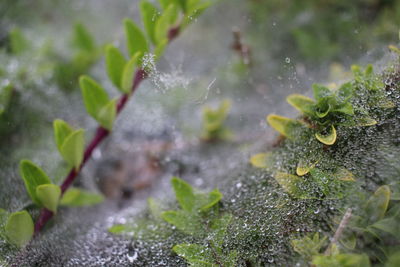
(101, 134)
(339, 231)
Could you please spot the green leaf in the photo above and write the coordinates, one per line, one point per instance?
(285, 126)
(164, 23)
(5, 97)
(346, 108)
(188, 223)
(33, 176)
(211, 200)
(394, 259)
(195, 254)
(49, 196)
(184, 194)
(261, 160)
(154, 208)
(115, 63)
(290, 183)
(304, 167)
(107, 114)
(345, 91)
(120, 229)
(19, 228)
(18, 42)
(128, 74)
(194, 8)
(328, 138)
(82, 39)
(343, 174)
(388, 225)
(160, 48)
(219, 228)
(320, 91)
(73, 147)
(301, 103)
(136, 41)
(342, 260)
(75, 197)
(365, 121)
(61, 131)
(213, 119)
(308, 246)
(94, 96)
(150, 15)
(378, 203)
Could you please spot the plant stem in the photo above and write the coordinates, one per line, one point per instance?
(340, 229)
(101, 134)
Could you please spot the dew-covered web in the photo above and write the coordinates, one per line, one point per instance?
(157, 137)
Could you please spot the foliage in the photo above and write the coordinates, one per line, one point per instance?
(365, 239)
(124, 74)
(330, 109)
(213, 122)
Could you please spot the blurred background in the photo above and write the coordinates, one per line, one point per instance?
(253, 52)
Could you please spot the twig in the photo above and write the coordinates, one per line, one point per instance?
(340, 229)
(101, 134)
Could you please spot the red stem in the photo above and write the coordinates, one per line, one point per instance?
(101, 133)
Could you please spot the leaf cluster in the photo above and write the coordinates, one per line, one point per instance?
(213, 122)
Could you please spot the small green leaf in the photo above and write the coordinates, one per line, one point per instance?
(394, 259)
(285, 126)
(164, 22)
(49, 196)
(82, 39)
(136, 41)
(94, 96)
(61, 131)
(212, 199)
(365, 121)
(219, 227)
(18, 41)
(150, 15)
(344, 175)
(261, 160)
(345, 91)
(320, 91)
(378, 203)
(328, 138)
(342, 260)
(120, 229)
(308, 246)
(301, 103)
(304, 167)
(107, 114)
(73, 147)
(214, 118)
(128, 73)
(154, 207)
(33, 176)
(19, 228)
(388, 225)
(194, 9)
(184, 194)
(75, 197)
(346, 108)
(290, 183)
(188, 223)
(196, 255)
(115, 63)
(159, 49)
(5, 97)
